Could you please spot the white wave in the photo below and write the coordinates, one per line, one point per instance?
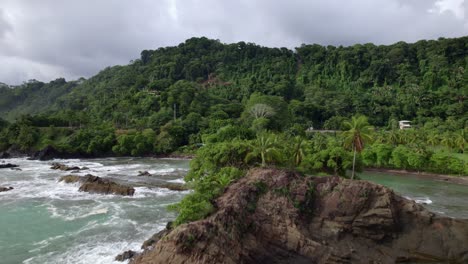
(76, 212)
(143, 192)
(420, 200)
(181, 180)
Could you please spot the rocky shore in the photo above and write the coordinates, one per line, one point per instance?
(275, 216)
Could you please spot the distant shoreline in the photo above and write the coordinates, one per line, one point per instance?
(423, 175)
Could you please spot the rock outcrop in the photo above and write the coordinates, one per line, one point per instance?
(63, 167)
(4, 155)
(5, 189)
(274, 216)
(8, 165)
(95, 184)
(47, 153)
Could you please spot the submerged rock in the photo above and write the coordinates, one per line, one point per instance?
(95, 184)
(8, 165)
(274, 216)
(144, 173)
(5, 189)
(63, 167)
(174, 186)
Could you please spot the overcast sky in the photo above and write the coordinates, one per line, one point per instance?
(48, 39)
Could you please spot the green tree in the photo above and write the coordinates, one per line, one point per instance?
(264, 147)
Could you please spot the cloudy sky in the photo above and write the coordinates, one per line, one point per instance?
(48, 39)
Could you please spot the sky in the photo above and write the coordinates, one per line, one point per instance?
(48, 39)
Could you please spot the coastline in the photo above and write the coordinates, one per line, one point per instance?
(463, 180)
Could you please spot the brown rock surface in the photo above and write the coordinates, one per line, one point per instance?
(273, 216)
(94, 184)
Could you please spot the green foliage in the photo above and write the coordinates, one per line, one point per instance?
(264, 148)
(210, 173)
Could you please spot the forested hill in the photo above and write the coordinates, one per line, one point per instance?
(319, 84)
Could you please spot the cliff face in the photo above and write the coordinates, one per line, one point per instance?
(274, 216)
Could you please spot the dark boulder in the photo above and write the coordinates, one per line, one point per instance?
(144, 173)
(5, 155)
(126, 255)
(8, 165)
(47, 153)
(5, 189)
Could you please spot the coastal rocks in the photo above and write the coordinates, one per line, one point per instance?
(105, 186)
(5, 189)
(4, 155)
(149, 243)
(8, 165)
(73, 178)
(275, 216)
(49, 153)
(46, 153)
(126, 255)
(144, 173)
(95, 184)
(63, 167)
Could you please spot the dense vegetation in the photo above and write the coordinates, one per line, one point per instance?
(242, 105)
(203, 92)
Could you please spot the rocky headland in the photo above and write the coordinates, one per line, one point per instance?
(276, 216)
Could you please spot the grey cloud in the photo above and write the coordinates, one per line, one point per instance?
(48, 39)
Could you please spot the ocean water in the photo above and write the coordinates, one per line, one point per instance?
(441, 197)
(44, 221)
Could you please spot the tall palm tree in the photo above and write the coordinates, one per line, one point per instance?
(358, 132)
(265, 147)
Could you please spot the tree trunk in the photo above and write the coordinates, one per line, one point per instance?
(354, 162)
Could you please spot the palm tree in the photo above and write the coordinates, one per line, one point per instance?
(460, 140)
(358, 132)
(433, 139)
(448, 140)
(298, 150)
(266, 148)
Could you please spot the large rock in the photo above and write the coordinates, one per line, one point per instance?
(273, 216)
(5, 189)
(4, 155)
(47, 153)
(8, 165)
(95, 184)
